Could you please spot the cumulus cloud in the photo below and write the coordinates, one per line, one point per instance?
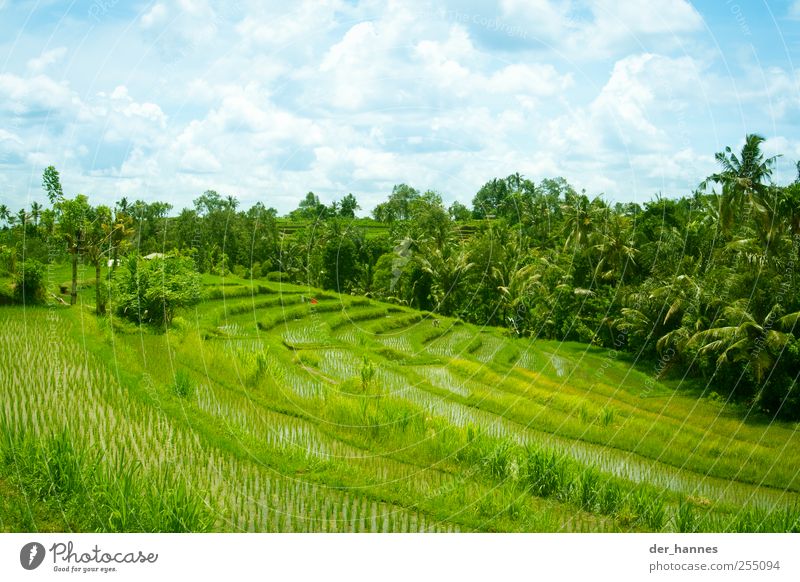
(37, 95)
(594, 29)
(46, 59)
(266, 100)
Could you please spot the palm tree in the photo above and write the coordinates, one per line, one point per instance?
(5, 214)
(742, 178)
(447, 267)
(741, 337)
(578, 224)
(616, 248)
(36, 213)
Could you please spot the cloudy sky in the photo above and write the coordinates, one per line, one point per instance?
(268, 100)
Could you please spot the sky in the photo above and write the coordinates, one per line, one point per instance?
(266, 100)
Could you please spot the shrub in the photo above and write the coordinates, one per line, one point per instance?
(277, 276)
(149, 291)
(29, 285)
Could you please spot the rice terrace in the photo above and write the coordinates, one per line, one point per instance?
(400, 267)
(173, 397)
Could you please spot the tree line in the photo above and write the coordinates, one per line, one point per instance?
(703, 286)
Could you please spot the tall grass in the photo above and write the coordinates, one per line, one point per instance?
(93, 496)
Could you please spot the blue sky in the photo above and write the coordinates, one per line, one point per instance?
(268, 100)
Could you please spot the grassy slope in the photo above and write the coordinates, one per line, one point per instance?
(280, 432)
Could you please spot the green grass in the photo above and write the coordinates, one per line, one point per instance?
(261, 412)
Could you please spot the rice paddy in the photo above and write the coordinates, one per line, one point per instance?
(273, 407)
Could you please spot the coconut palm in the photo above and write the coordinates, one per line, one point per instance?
(740, 336)
(447, 267)
(616, 248)
(36, 213)
(578, 224)
(742, 178)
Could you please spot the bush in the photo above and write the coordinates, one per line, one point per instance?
(183, 384)
(277, 276)
(149, 291)
(29, 283)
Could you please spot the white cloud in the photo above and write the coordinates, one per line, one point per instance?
(642, 17)
(527, 80)
(642, 92)
(284, 24)
(6, 137)
(46, 59)
(264, 99)
(200, 161)
(38, 94)
(155, 16)
(594, 29)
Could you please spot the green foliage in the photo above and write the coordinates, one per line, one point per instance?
(29, 282)
(685, 518)
(367, 374)
(51, 182)
(277, 276)
(114, 498)
(183, 384)
(151, 290)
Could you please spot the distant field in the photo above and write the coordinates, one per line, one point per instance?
(263, 410)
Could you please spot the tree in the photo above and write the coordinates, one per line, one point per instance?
(446, 268)
(310, 208)
(490, 198)
(98, 230)
(72, 215)
(742, 178)
(340, 260)
(151, 290)
(739, 336)
(578, 221)
(118, 232)
(348, 206)
(36, 213)
(458, 212)
(398, 206)
(51, 182)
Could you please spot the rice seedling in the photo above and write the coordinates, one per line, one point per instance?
(685, 518)
(183, 384)
(607, 416)
(250, 409)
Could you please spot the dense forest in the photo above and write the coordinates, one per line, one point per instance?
(699, 287)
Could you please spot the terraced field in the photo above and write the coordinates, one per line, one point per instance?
(272, 407)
